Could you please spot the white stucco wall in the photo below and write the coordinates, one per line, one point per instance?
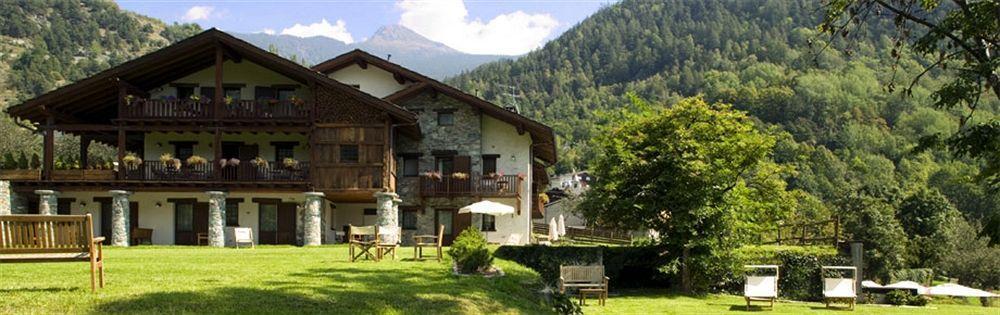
(161, 219)
(245, 72)
(374, 80)
(515, 158)
(157, 143)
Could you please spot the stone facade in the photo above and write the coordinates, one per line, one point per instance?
(18, 204)
(312, 229)
(5, 198)
(216, 218)
(119, 217)
(48, 202)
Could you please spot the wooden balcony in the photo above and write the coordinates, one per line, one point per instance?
(203, 109)
(476, 185)
(245, 172)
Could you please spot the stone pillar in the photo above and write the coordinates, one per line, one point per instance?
(388, 216)
(119, 217)
(312, 213)
(5, 198)
(48, 202)
(216, 218)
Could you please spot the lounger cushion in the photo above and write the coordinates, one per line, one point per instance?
(838, 288)
(756, 286)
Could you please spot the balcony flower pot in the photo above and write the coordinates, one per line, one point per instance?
(196, 160)
(459, 175)
(98, 174)
(67, 174)
(493, 175)
(132, 161)
(234, 162)
(290, 163)
(259, 162)
(166, 158)
(432, 175)
(20, 174)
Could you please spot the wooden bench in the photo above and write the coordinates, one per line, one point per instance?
(586, 279)
(52, 238)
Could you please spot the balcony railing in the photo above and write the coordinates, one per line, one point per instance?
(245, 172)
(474, 185)
(142, 108)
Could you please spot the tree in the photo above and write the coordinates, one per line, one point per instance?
(928, 219)
(962, 35)
(872, 221)
(698, 174)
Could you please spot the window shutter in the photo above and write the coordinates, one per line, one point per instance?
(463, 164)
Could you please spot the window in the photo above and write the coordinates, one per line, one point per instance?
(446, 118)
(268, 217)
(489, 223)
(490, 164)
(411, 164)
(232, 214)
(409, 219)
(283, 150)
(184, 92)
(348, 153)
(446, 165)
(233, 92)
(183, 150)
(284, 94)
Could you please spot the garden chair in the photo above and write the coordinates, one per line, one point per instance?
(839, 288)
(421, 241)
(586, 279)
(243, 235)
(52, 238)
(761, 288)
(364, 238)
(139, 235)
(389, 241)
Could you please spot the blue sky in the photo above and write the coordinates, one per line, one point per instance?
(508, 27)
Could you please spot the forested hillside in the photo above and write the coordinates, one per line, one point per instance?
(47, 44)
(844, 129)
(848, 137)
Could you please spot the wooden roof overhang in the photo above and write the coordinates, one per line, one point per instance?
(94, 100)
(542, 136)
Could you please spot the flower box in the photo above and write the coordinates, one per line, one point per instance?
(20, 174)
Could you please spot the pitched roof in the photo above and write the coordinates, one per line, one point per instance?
(542, 136)
(96, 97)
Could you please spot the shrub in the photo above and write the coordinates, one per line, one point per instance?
(36, 162)
(799, 275)
(22, 161)
(469, 252)
(562, 304)
(627, 266)
(972, 260)
(9, 162)
(903, 297)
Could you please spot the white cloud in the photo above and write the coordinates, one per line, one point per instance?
(198, 12)
(447, 21)
(268, 31)
(323, 28)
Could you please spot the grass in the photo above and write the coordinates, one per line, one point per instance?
(664, 302)
(286, 280)
(270, 280)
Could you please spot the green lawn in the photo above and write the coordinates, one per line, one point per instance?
(284, 279)
(663, 302)
(264, 280)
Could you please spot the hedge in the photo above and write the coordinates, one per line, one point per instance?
(628, 267)
(799, 275)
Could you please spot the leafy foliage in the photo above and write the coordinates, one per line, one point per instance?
(628, 266)
(928, 219)
(469, 251)
(971, 259)
(699, 174)
(903, 297)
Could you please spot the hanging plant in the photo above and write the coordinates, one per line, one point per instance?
(196, 160)
(223, 162)
(229, 100)
(234, 162)
(166, 158)
(431, 175)
(459, 175)
(259, 162)
(131, 160)
(290, 163)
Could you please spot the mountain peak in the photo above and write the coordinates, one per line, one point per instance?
(400, 37)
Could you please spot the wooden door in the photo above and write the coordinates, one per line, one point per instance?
(453, 222)
(463, 164)
(189, 220)
(268, 223)
(286, 224)
(133, 216)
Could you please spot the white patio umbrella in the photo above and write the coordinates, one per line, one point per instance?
(487, 207)
(952, 289)
(562, 225)
(909, 285)
(553, 230)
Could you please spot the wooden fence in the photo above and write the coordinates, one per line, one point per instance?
(826, 232)
(588, 235)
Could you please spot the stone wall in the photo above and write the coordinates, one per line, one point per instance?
(5, 197)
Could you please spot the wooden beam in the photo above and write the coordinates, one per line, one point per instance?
(217, 146)
(84, 147)
(217, 99)
(121, 153)
(49, 150)
(362, 63)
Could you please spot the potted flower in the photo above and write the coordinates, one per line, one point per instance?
(128, 99)
(195, 160)
(166, 159)
(132, 161)
(459, 175)
(195, 97)
(229, 100)
(234, 162)
(259, 162)
(493, 175)
(431, 175)
(290, 163)
(297, 101)
(223, 162)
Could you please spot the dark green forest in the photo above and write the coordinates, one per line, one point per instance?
(850, 139)
(47, 44)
